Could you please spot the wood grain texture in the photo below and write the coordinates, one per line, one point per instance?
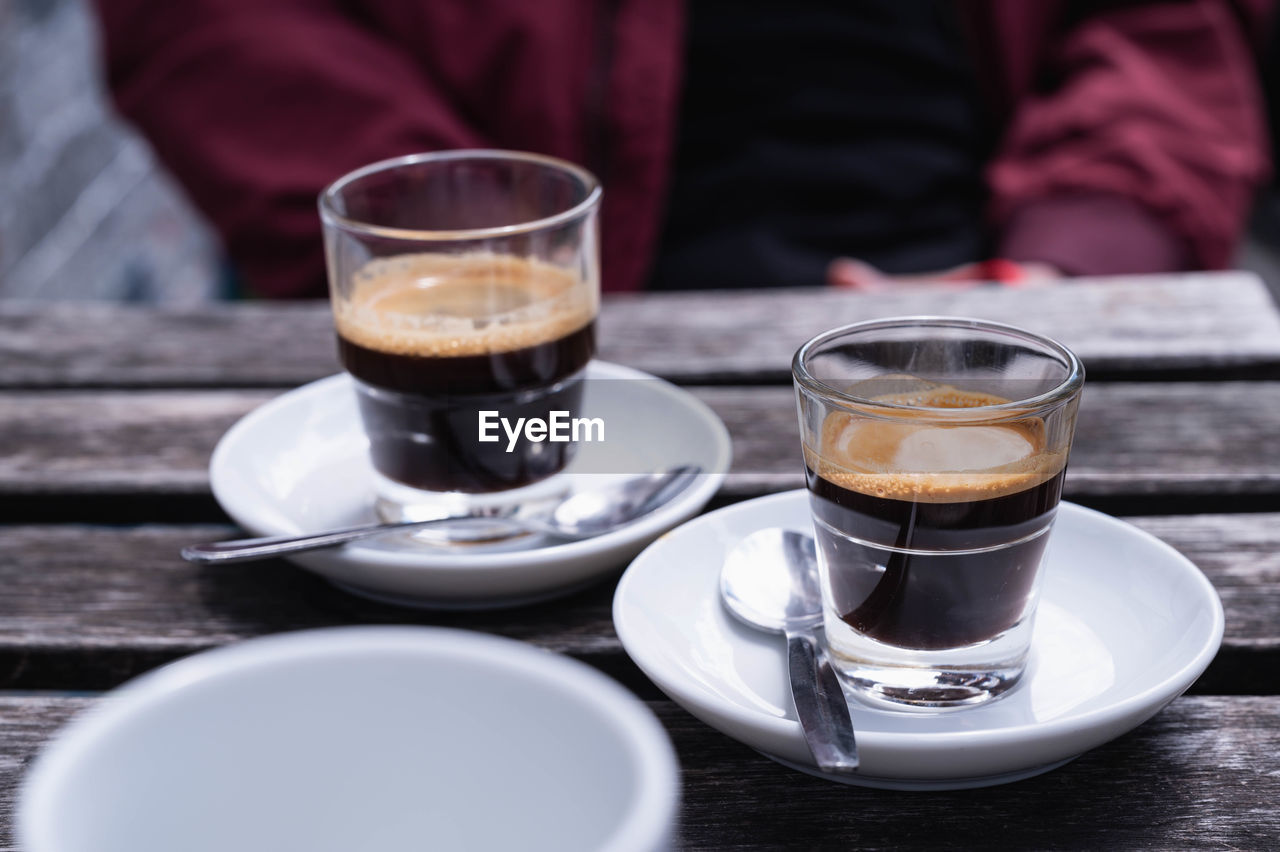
(110, 346)
(1193, 322)
(1133, 439)
(1200, 775)
(1120, 324)
(26, 723)
(117, 442)
(88, 606)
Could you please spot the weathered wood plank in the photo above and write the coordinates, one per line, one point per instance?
(1200, 775)
(108, 346)
(1195, 322)
(87, 607)
(90, 606)
(123, 442)
(1115, 325)
(1133, 439)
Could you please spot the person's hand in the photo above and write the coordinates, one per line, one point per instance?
(849, 274)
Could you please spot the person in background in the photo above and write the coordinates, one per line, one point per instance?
(757, 144)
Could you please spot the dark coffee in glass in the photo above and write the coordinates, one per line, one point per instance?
(424, 384)
(933, 561)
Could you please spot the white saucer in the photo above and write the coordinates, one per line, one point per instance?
(299, 463)
(1125, 625)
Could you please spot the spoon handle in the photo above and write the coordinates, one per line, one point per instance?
(249, 549)
(821, 705)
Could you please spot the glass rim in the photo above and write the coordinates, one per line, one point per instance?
(329, 212)
(1064, 390)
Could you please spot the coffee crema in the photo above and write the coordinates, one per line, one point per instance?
(445, 306)
(912, 458)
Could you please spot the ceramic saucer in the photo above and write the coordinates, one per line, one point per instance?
(1125, 625)
(299, 464)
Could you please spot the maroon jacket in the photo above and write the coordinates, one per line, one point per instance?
(1134, 135)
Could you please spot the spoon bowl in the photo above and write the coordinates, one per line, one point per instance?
(760, 591)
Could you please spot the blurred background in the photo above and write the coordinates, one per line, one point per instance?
(87, 212)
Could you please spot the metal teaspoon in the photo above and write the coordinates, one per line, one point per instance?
(770, 581)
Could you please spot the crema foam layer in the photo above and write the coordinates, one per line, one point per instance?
(915, 459)
(439, 306)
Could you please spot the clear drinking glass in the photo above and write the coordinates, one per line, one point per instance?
(463, 282)
(935, 451)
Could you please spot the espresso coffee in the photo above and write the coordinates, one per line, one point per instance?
(931, 533)
(434, 339)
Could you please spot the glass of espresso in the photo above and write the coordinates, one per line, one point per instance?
(465, 287)
(935, 450)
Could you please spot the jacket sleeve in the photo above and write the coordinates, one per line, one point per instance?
(1142, 151)
(256, 104)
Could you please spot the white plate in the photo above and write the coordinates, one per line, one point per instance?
(300, 464)
(358, 738)
(1125, 625)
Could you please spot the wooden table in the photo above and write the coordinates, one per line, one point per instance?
(108, 416)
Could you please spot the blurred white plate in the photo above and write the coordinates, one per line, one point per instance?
(300, 464)
(358, 738)
(1125, 625)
